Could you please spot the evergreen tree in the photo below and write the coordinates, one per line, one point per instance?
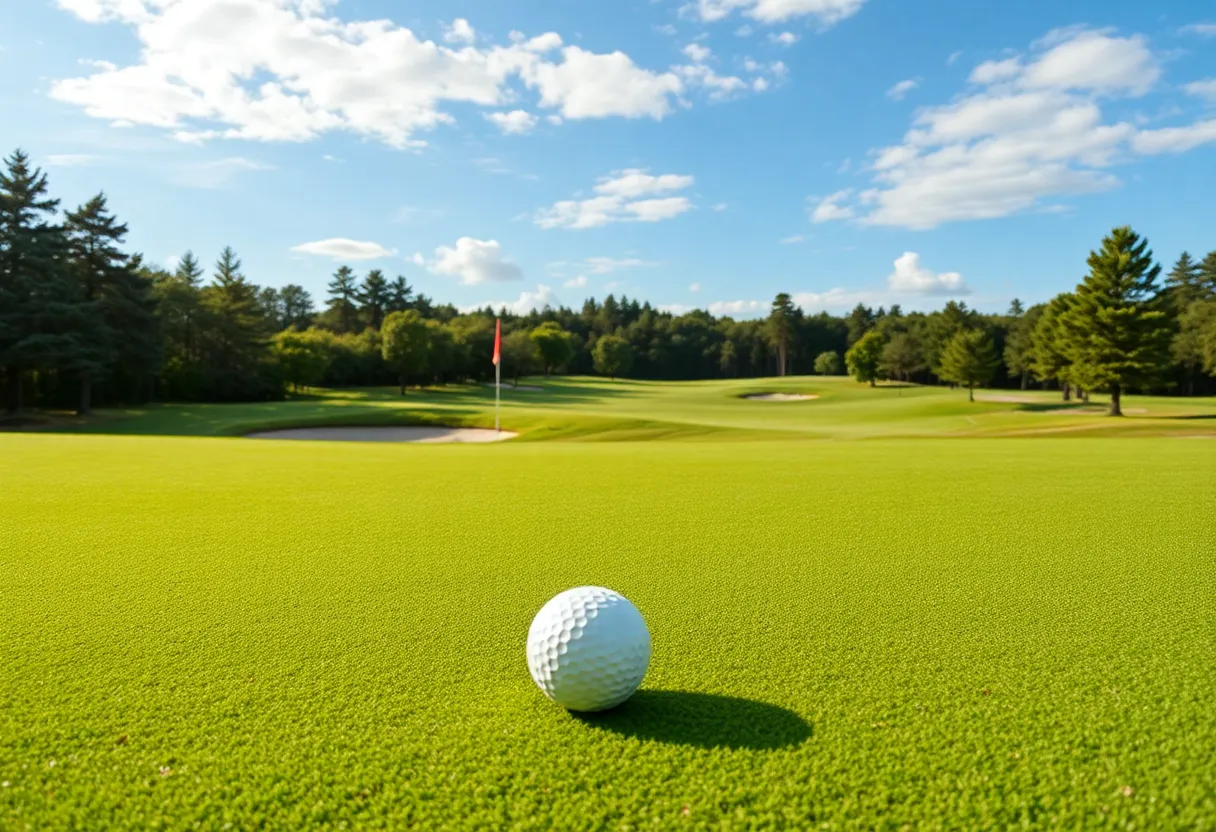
(728, 359)
(343, 293)
(1113, 334)
(237, 336)
(860, 321)
(780, 328)
(399, 295)
(189, 274)
(1048, 361)
(39, 310)
(274, 311)
(375, 295)
(969, 359)
(1184, 284)
(1207, 273)
(864, 357)
(1019, 345)
(1016, 310)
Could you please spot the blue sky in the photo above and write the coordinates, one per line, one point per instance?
(707, 153)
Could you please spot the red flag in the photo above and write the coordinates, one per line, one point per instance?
(497, 341)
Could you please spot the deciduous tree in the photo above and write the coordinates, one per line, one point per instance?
(864, 357)
(553, 345)
(828, 363)
(613, 356)
(405, 345)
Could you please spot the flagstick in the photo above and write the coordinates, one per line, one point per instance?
(497, 392)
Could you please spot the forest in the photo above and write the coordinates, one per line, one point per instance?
(85, 323)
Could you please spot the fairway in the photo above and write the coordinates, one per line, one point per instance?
(865, 613)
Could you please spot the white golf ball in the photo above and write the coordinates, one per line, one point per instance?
(588, 648)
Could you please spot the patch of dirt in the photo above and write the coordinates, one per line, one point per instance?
(425, 435)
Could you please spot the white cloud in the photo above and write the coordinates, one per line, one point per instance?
(171, 262)
(417, 259)
(340, 248)
(826, 12)
(525, 303)
(575, 282)
(475, 262)
(515, 122)
(608, 265)
(738, 307)
(912, 278)
(1206, 30)
(317, 73)
(783, 39)
(721, 206)
(694, 287)
(697, 53)
(1032, 131)
(954, 56)
(793, 239)
(619, 198)
(901, 89)
(68, 160)
(1202, 89)
(1175, 139)
(459, 32)
(827, 210)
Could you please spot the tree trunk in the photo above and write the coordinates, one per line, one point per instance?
(402, 382)
(85, 406)
(873, 383)
(1067, 392)
(970, 393)
(1116, 396)
(14, 388)
(1025, 380)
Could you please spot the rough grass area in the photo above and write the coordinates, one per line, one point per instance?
(978, 634)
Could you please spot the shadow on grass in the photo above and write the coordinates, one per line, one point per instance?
(1047, 407)
(702, 720)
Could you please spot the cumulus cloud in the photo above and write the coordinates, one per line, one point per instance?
(1029, 129)
(825, 12)
(697, 53)
(525, 303)
(475, 262)
(575, 282)
(515, 122)
(195, 75)
(340, 248)
(901, 89)
(632, 195)
(783, 39)
(459, 32)
(827, 209)
(911, 277)
(1206, 30)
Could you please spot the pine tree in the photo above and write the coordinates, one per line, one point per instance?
(1207, 273)
(101, 271)
(375, 295)
(1184, 284)
(236, 333)
(1016, 310)
(343, 293)
(1048, 361)
(399, 294)
(38, 310)
(860, 321)
(969, 359)
(901, 357)
(780, 329)
(1112, 332)
(1019, 344)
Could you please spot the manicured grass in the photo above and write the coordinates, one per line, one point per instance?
(587, 409)
(972, 634)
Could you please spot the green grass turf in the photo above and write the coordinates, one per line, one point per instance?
(587, 409)
(970, 634)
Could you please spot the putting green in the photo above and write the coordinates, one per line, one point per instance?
(980, 633)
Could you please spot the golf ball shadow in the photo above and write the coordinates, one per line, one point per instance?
(702, 720)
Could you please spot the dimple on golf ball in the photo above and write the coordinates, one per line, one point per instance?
(588, 648)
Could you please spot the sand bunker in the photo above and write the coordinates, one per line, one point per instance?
(780, 397)
(388, 434)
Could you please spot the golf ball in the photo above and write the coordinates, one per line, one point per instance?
(588, 648)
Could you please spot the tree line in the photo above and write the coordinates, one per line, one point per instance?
(82, 322)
